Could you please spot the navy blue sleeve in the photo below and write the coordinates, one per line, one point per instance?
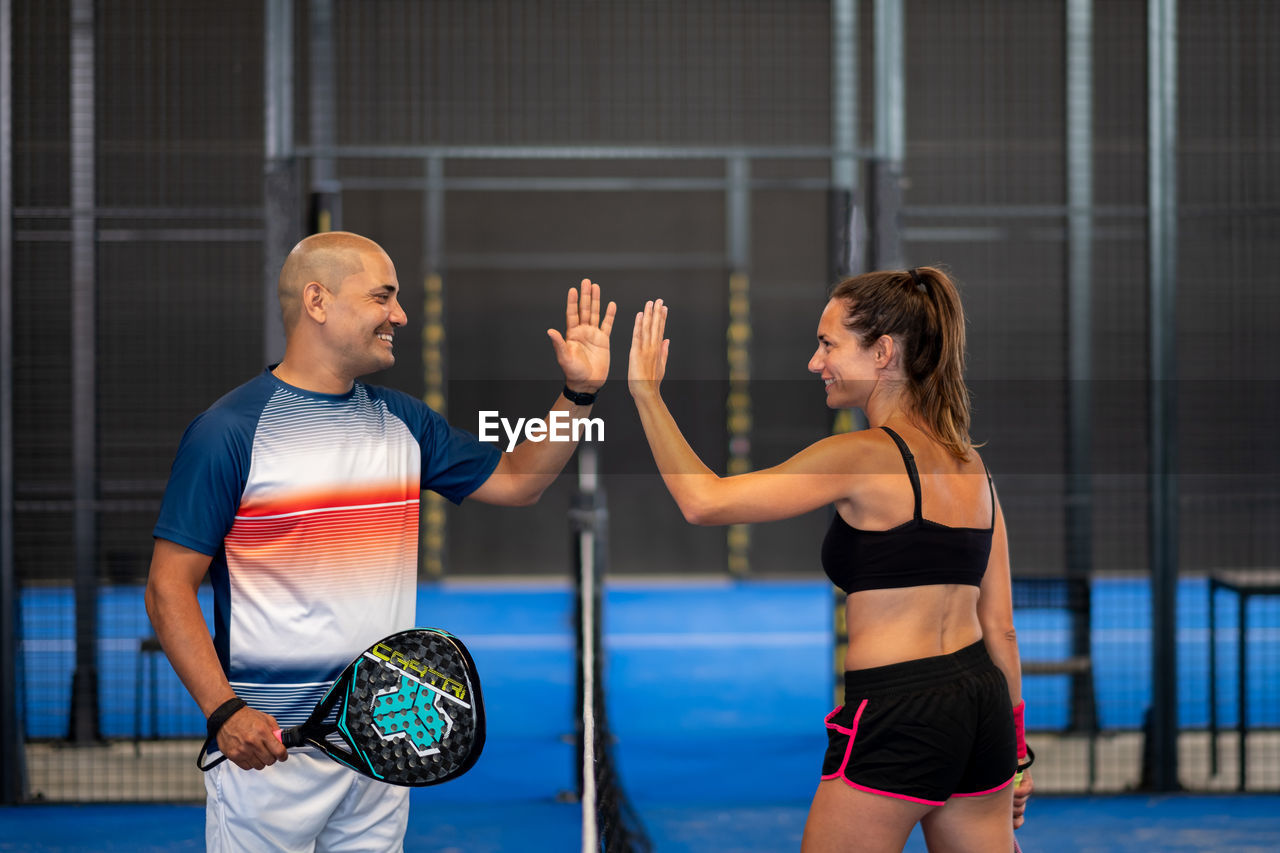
(207, 479)
(454, 462)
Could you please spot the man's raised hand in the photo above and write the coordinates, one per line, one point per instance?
(583, 350)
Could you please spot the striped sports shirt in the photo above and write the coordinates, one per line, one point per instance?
(308, 505)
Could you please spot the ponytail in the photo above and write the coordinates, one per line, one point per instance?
(921, 309)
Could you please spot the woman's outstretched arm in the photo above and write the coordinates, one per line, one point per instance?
(814, 477)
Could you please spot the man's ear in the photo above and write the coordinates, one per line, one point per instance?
(315, 301)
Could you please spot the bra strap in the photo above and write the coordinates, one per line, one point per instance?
(991, 489)
(910, 461)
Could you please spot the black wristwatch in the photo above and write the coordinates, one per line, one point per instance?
(578, 398)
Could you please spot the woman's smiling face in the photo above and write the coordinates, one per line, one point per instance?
(848, 369)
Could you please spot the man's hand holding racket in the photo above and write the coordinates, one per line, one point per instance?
(407, 711)
(248, 739)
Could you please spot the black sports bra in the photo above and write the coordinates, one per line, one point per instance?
(915, 553)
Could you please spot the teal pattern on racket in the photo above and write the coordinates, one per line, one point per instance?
(408, 711)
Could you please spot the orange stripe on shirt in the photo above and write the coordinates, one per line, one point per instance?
(375, 536)
(370, 494)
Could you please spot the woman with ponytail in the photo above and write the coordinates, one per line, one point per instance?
(930, 731)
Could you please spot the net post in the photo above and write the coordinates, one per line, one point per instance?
(583, 520)
(609, 822)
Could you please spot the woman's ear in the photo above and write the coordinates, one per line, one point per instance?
(885, 349)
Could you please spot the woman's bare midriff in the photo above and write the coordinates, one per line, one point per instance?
(887, 626)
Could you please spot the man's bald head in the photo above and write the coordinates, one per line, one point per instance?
(328, 258)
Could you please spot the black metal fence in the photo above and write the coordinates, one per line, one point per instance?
(1101, 178)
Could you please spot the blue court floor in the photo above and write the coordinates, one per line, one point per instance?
(522, 638)
(717, 690)
(1122, 824)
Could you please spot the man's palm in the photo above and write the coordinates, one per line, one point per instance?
(583, 350)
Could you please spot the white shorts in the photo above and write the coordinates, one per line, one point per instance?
(307, 803)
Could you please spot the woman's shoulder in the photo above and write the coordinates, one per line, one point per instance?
(933, 453)
(864, 451)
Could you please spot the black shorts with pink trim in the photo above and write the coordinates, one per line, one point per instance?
(924, 730)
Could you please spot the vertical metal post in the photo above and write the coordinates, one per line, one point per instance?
(885, 190)
(280, 186)
(326, 192)
(1242, 694)
(848, 235)
(1212, 692)
(844, 93)
(433, 239)
(12, 755)
(1080, 336)
(1162, 223)
(738, 414)
(738, 215)
(84, 726)
(848, 250)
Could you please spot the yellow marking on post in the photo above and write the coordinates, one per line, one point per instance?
(738, 419)
(433, 343)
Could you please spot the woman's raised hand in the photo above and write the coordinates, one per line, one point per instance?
(648, 361)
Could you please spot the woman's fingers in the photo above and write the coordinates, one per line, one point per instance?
(650, 326)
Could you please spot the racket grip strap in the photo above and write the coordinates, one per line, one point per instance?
(1024, 764)
(223, 713)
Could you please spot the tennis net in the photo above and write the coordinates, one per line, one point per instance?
(610, 823)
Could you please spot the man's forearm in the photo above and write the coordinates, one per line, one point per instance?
(179, 625)
(536, 464)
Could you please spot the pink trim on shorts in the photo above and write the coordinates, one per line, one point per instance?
(889, 793)
(852, 733)
(999, 787)
(848, 752)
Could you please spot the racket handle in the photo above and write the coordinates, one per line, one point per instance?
(290, 736)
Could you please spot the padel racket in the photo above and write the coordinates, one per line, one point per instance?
(407, 711)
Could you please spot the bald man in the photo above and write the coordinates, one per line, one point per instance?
(298, 493)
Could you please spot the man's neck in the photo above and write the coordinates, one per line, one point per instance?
(320, 381)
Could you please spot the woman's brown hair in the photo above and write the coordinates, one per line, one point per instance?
(921, 309)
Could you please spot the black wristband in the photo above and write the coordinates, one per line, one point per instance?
(578, 398)
(1031, 759)
(223, 713)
